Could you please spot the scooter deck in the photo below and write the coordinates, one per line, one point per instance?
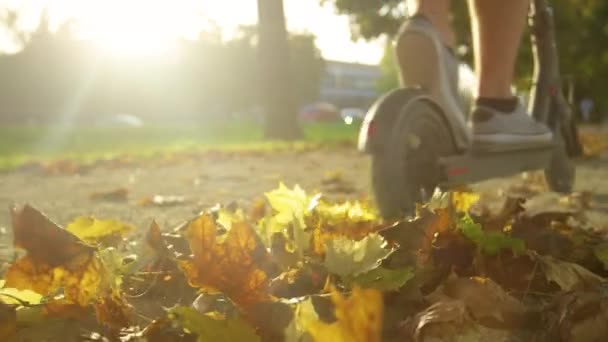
(473, 167)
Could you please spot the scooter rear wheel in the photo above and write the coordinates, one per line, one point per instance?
(407, 170)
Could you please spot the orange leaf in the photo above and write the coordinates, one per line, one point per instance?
(79, 282)
(229, 266)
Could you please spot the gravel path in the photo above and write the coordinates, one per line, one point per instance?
(215, 178)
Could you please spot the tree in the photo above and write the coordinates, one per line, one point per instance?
(581, 27)
(388, 67)
(276, 83)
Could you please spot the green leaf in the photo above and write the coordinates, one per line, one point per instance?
(210, 328)
(92, 230)
(384, 279)
(289, 204)
(601, 253)
(115, 268)
(14, 296)
(346, 257)
(489, 243)
(290, 207)
(227, 218)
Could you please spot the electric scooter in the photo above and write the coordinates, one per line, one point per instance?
(417, 146)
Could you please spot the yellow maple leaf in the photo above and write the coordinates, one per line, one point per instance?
(463, 200)
(358, 318)
(92, 230)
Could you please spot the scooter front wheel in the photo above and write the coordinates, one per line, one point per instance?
(561, 172)
(406, 171)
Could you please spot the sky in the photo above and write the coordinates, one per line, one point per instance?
(158, 22)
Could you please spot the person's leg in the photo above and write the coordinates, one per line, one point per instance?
(497, 29)
(438, 13)
(498, 117)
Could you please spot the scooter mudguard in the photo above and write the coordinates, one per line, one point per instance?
(380, 119)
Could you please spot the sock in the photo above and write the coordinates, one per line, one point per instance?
(503, 105)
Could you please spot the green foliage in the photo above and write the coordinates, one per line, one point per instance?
(346, 257)
(389, 69)
(290, 207)
(23, 144)
(601, 253)
(490, 243)
(372, 18)
(17, 297)
(207, 80)
(210, 328)
(579, 24)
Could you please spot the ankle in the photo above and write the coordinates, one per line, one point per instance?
(503, 105)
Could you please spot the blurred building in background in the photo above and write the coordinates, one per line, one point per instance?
(350, 84)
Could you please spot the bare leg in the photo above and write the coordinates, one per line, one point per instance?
(497, 29)
(438, 12)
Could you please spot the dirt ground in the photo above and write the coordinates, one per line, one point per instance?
(216, 178)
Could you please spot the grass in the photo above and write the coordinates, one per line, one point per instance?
(22, 144)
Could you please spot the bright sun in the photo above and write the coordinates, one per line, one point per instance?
(137, 28)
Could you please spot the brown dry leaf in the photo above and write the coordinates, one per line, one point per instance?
(549, 205)
(358, 318)
(258, 210)
(332, 177)
(417, 237)
(449, 321)
(114, 311)
(594, 143)
(155, 240)
(334, 182)
(568, 276)
(116, 195)
(55, 259)
(582, 316)
(228, 264)
(162, 201)
(63, 166)
(484, 298)
(43, 239)
(8, 322)
(64, 309)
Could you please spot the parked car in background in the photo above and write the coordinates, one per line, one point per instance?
(350, 115)
(121, 120)
(320, 112)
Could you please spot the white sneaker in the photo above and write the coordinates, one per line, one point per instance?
(494, 128)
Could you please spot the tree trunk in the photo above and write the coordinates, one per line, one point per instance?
(276, 82)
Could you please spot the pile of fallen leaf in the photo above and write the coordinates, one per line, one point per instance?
(295, 267)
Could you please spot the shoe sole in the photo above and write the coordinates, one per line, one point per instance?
(508, 142)
(507, 138)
